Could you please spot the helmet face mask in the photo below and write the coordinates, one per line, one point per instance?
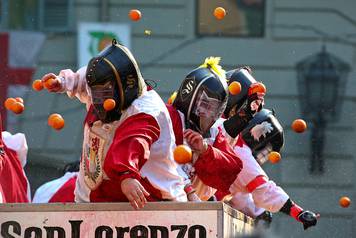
(207, 110)
(262, 155)
(99, 93)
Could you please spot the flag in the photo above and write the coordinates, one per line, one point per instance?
(19, 52)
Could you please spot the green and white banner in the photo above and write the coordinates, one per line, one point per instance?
(94, 37)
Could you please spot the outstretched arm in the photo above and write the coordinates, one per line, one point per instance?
(72, 83)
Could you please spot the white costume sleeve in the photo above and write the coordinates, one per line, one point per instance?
(270, 196)
(267, 195)
(17, 143)
(75, 84)
(46, 191)
(244, 202)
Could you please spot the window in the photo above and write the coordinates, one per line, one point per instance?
(56, 15)
(22, 14)
(245, 18)
(3, 13)
(44, 15)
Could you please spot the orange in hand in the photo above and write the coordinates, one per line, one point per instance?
(50, 83)
(56, 121)
(37, 85)
(345, 202)
(299, 125)
(109, 104)
(257, 88)
(135, 15)
(234, 88)
(274, 157)
(182, 154)
(9, 102)
(219, 13)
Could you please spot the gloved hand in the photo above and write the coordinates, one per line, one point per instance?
(264, 219)
(308, 219)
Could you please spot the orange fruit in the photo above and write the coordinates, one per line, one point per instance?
(234, 88)
(37, 85)
(219, 13)
(182, 154)
(135, 15)
(299, 125)
(18, 99)
(51, 118)
(257, 88)
(17, 107)
(274, 157)
(51, 83)
(9, 102)
(58, 123)
(345, 201)
(109, 104)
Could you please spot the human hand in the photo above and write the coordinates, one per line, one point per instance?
(135, 192)
(195, 141)
(52, 83)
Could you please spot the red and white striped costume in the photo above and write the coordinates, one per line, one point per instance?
(139, 145)
(252, 191)
(14, 186)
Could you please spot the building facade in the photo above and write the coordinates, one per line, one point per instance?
(271, 36)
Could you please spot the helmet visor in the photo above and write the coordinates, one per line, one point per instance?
(99, 93)
(208, 110)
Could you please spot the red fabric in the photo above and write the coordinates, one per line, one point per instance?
(176, 123)
(91, 117)
(12, 178)
(65, 193)
(295, 210)
(256, 182)
(240, 142)
(127, 154)
(219, 166)
(220, 195)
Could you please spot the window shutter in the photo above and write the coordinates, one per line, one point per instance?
(56, 15)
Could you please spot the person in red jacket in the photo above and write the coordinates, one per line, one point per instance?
(199, 102)
(127, 151)
(14, 186)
